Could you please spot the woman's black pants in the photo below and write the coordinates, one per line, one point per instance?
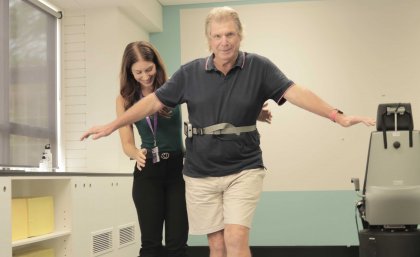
(159, 197)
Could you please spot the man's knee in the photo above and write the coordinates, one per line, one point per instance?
(216, 241)
(236, 236)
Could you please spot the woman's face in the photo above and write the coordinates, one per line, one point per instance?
(144, 72)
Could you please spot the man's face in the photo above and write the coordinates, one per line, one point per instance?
(224, 41)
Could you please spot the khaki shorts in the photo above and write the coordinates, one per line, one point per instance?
(213, 202)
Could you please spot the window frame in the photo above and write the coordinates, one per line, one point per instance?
(8, 128)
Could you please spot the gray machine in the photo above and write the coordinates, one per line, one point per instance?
(390, 204)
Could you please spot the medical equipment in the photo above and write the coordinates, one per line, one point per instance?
(390, 202)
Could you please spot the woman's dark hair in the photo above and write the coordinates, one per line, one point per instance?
(141, 50)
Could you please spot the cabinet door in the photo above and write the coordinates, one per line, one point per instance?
(103, 232)
(93, 216)
(102, 206)
(5, 217)
(82, 215)
(126, 222)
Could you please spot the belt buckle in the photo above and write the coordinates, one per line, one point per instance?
(165, 156)
(200, 131)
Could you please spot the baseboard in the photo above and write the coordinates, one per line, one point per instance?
(289, 251)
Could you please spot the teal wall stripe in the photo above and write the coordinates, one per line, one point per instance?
(168, 41)
(302, 218)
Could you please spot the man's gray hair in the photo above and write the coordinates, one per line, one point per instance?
(224, 13)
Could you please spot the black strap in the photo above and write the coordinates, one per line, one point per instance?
(410, 129)
(411, 138)
(384, 129)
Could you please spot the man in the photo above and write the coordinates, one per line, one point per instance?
(224, 93)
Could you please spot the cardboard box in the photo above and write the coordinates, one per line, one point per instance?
(40, 215)
(19, 219)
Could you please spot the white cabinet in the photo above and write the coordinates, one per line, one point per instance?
(5, 218)
(94, 215)
(59, 189)
(104, 215)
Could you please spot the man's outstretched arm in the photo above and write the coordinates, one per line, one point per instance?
(306, 99)
(145, 107)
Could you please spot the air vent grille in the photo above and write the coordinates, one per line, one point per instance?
(126, 235)
(101, 242)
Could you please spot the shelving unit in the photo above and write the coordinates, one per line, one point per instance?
(42, 238)
(5, 210)
(59, 189)
(83, 205)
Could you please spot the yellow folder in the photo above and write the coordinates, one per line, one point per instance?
(19, 219)
(40, 215)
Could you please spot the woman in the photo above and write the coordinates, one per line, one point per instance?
(158, 186)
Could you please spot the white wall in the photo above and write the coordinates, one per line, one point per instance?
(354, 54)
(93, 43)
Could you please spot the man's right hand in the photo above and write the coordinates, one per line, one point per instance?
(97, 132)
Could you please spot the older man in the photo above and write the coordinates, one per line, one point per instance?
(224, 94)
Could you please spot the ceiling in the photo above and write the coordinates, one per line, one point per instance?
(178, 2)
(64, 4)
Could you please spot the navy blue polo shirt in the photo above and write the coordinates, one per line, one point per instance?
(213, 98)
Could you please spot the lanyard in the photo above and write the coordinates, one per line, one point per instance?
(153, 129)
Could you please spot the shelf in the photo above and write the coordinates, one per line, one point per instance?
(72, 236)
(49, 236)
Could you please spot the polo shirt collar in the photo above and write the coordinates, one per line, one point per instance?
(240, 62)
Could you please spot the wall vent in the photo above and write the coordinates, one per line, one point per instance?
(101, 242)
(126, 234)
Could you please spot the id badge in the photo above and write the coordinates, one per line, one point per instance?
(155, 154)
